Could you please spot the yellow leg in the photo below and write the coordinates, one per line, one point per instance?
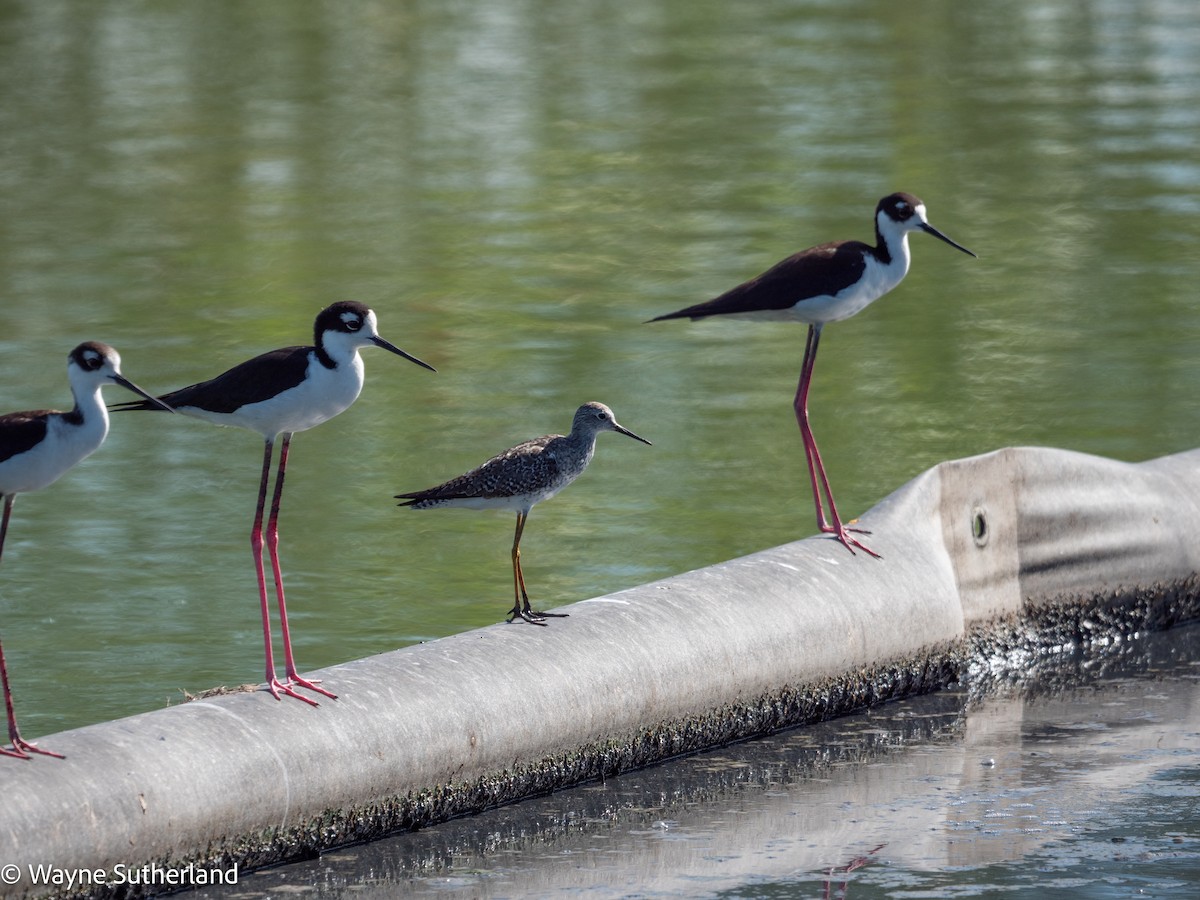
(521, 606)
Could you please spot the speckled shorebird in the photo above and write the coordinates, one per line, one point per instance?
(827, 283)
(39, 447)
(277, 394)
(522, 476)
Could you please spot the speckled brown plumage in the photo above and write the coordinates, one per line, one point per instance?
(522, 476)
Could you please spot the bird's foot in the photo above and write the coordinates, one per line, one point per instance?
(843, 534)
(527, 614)
(276, 687)
(532, 616)
(21, 749)
(294, 679)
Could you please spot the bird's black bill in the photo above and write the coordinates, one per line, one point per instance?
(388, 345)
(625, 431)
(129, 385)
(929, 229)
(681, 314)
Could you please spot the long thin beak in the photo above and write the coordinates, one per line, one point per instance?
(388, 345)
(129, 385)
(929, 229)
(625, 431)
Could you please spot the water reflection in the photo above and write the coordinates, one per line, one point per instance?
(515, 187)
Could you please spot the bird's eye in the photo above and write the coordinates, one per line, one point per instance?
(353, 323)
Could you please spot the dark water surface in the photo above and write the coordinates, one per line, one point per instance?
(1077, 779)
(516, 187)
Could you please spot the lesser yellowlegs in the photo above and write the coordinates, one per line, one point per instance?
(277, 394)
(827, 283)
(39, 446)
(522, 476)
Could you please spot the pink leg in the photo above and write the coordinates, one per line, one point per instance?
(256, 544)
(273, 547)
(801, 407)
(816, 468)
(21, 747)
(13, 734)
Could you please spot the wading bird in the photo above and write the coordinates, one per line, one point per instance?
(38, 447)
(827, 283)
(522, 476)
(277, 394)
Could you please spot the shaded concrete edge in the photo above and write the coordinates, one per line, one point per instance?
(1002, 645)
(651, 745)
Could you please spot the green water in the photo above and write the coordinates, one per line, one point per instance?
(516, 187)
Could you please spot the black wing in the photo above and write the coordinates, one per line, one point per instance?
(816, 272)
(22, 431)
(253, 381)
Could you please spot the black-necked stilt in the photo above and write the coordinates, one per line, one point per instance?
(39, 446)
(522, 476)
(277, 394)
(827, 283)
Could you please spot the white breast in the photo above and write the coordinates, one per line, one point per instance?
(318, 398)
(877, 280)
(64, 446)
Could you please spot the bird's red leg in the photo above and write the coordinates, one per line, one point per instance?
(816, 468)
(274, 685)
(13, 734)
(801, 407)
(292, 678)
(21, 748)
